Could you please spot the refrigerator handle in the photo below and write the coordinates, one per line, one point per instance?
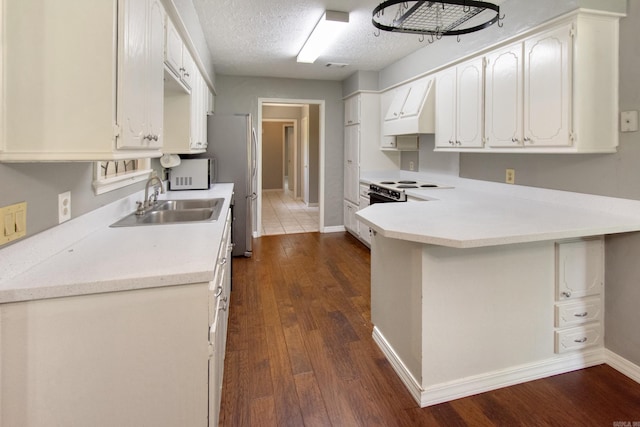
(254, 152)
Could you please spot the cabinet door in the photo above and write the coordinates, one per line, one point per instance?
(173, 48)
(188, 68)
(470, 103)
(503, 97)
(351, 176)
(399, 98)
(363, 230)
(415, 99)
(155, 73)
(352, 110)
(350, 222)
(580, 269)
(547, 88)
(446, 108)
(132, 74)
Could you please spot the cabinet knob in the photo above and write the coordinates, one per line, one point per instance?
(458, 143)
(155, 137)
(218, 291)
(186, 74)
(566, 294)
(450, 142)
(515, 140)
(527, 139)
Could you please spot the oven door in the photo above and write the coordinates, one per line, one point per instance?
(379, 198)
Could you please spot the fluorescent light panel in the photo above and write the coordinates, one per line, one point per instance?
(323, 35)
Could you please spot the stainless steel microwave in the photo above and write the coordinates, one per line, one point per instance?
(192, 174)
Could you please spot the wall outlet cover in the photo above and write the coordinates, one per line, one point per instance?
(64, 207)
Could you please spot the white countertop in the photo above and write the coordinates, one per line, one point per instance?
(89, 257)
(479, 213)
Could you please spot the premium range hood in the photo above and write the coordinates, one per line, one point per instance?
(412, 110)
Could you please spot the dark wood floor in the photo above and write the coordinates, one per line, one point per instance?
(300, 352)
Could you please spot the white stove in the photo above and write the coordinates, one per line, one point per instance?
(395, 191)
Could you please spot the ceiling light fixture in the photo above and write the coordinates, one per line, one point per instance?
(436, 18)
(324, 34)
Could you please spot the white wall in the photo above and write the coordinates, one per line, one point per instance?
(240, 95)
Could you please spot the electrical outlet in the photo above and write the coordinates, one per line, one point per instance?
(64, 207)
(411, 166)
(510, 177)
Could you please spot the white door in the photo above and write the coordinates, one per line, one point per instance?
(305, 160)
(470, 103)
(446, 108)
(503, 115)
(547, 88)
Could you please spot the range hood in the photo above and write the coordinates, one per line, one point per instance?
(412, 110)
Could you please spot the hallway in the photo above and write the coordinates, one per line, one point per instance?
(281, 214)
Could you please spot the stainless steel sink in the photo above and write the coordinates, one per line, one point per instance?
(175, 212)
(164, 205)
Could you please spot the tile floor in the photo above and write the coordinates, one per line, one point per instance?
(281, 214)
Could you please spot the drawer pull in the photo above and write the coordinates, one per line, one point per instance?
(566, 294)
(581, 340)
(218, 292)
(585, 314)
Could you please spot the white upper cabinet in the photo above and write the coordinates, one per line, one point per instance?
(460, 105)
(82, 89)
(352, 111)
(141, 80)
(177, 57)
(554, 90)
(411, 109)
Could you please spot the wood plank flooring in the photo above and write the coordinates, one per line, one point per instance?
(300, 353)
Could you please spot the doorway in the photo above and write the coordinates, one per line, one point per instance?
(291, 142)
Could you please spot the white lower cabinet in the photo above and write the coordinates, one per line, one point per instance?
(129, 358)
(364, 232)
(579, 306)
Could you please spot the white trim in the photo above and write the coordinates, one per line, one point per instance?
(622, 365)
(104, 185)
(488, 381)
(333, 229)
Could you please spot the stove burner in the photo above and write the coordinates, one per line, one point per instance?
(407, 182)
(406, 186)
(428, 185)
(387, 182)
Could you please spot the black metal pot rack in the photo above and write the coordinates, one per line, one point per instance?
(436, 18)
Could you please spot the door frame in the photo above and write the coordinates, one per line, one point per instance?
(322, 146)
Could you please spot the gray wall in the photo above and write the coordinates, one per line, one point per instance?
(240, 94)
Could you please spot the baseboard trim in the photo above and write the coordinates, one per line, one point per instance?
(405, 376)
(469, 386)
(333, 229)
(622, 365)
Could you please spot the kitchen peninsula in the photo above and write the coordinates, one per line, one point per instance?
(486, 285)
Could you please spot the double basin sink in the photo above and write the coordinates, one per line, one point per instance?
(175, 212)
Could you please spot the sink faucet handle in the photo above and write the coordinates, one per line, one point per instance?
(140, 208)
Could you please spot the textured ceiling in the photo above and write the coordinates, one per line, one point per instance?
(263, 38)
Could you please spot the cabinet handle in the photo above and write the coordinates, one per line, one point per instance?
(458, 143)
(585, 314)
(566, 294)
(186, 74)
(223, 261)
(450, 142)
(527, 139)
(155, 137)
(515, 140)
(218, 291)
(182, 69)
(581, 340)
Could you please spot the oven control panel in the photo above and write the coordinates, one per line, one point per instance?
(387, 192)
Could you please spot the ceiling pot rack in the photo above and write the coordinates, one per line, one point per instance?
(434, 18)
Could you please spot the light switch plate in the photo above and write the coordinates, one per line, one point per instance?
(13, 222)
(629, 121)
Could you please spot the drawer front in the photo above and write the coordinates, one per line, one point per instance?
(578, 312)
(580, 269)
(578, 338)
(364, 191)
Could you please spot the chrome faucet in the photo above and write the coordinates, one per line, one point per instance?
(147, 199)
